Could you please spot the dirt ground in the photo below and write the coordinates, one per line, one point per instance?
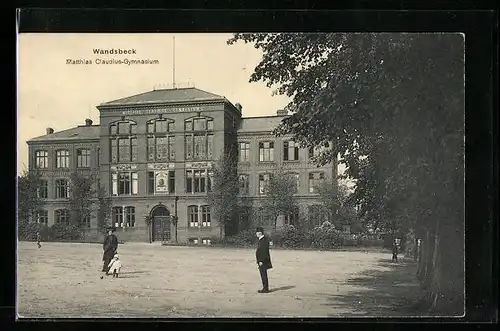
(62, 280)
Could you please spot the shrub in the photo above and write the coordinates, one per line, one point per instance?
(65, 232)
(27, 231)
(289, 237)
(245, 238)
(324, 237)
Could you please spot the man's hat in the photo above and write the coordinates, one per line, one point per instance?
(259, 229)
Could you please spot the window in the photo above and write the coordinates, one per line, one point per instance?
(117, 216)
(263, 182)
(244, 182)
(244, 154)
(197, 181)
(205, 216)
(266, 151)
(193, 241)
(316, 151)
(161, 145)
(123, 142)
(124, 183)
(85, 221)
(295, 178)
(161, 182)
(42, 217)
(62, 189)
(316, 215)
(290, 151)
(244, 218)
(41, 159)
(292, 217)
(61, 216)
(199, 143)
(193, 216)
(43, 189)
(129, 217)
(62, 159)
(315, 178)
(205, 241)
(83, 158)
(123, 217)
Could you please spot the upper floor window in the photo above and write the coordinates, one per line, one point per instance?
(62, 188)
(43, 189)
(41, 159)
(199, 124)
(244, 182)
(263, 183)
(198, 181)
(123, 142)
(315, 178)
(244, 152)
(161, 141)
(83, 158)
(61, 216)
(199, 146)
(290, 151)
(62, 158)
(266, 151)
(124, 183)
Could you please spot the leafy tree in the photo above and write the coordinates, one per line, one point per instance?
(28, 201)
(223, 195)
(279, 196)
(103, 209)
(82, 197)
(334, 199)
(392, 106)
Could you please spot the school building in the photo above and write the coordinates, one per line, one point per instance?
(153, 154)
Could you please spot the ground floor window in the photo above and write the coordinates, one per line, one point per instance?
(205, 241)
(42, 217)
(123, 217)
(61, 216)
(193, 216)
(193, 241)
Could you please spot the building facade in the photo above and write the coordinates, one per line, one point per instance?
(153, 152)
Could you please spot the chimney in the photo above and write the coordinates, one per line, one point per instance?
(238, 105)
(88, 122)
(50, 131)
(281, 112)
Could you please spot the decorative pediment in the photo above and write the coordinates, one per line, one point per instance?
(123, 167)
(161, 166)
(199, 165)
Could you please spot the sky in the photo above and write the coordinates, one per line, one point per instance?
(52, 93)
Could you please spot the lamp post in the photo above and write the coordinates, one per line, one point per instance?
(176, 219)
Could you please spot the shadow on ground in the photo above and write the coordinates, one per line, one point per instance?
(282, 288)
(392, 291)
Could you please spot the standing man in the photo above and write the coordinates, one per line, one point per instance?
(110, 246)
(263, 258)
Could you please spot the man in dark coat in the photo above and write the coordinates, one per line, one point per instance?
(263, 259)
(394, 251)
(110, 246)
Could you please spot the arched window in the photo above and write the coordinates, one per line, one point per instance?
(161, 139)
(199, 138)
(123, 141)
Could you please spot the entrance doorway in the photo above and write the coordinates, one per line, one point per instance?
(160, 224)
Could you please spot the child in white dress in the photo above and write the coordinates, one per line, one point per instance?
(115, 266)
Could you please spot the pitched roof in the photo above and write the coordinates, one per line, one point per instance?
(76, 133)
(261, 123)
(165, 96)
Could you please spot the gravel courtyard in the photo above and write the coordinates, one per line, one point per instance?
(63, 280)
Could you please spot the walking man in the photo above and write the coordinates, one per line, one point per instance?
(110, 246)
(263, 258)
